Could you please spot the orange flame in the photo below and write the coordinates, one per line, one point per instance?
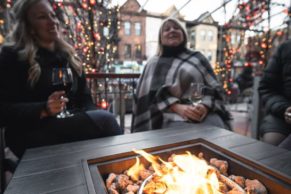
(60, 74)
(152, 159)
(133, 172)
(183, 173)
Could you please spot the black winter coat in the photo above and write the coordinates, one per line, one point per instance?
(275, 87)
(21, 104)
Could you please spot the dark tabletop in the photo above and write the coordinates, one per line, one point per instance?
(59, 168)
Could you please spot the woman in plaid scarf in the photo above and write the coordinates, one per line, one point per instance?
(162, 96)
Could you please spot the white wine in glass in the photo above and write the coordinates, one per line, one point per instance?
(196, 93)
(62, 79)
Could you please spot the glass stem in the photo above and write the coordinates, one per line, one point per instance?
(65, 105)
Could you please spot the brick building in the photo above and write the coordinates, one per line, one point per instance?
(131, 47)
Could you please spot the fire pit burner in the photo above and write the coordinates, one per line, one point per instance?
(144, 183)
(181, 173)
(98, 169)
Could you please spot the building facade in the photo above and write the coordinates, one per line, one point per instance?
(203, 36)
(139, 33)
(131, 47)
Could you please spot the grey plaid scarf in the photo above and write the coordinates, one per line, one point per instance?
(166, 80)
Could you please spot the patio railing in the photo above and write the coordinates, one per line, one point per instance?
(113, 92)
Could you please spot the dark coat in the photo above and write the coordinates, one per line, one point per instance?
(21, 104)
(275, 90)
(245, 79)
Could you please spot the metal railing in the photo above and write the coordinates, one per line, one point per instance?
(113, 92)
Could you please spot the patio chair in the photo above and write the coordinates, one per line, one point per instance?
(258, 111)
(8, 161)
(2, 159)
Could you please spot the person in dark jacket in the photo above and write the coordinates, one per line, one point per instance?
(28, 101)
(245, 79)
(275, 92)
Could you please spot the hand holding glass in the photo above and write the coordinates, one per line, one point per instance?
(196, 93)
(62, 79)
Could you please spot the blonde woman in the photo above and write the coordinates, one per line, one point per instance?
(162, 96)
(29, 102)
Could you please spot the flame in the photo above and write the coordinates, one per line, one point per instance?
(183, 173)
(60, 74)
(152, 159)
(133, 172)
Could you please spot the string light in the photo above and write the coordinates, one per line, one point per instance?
(248, 14)
(86, 22)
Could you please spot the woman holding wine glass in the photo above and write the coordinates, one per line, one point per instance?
(41, 76)
(168, 93)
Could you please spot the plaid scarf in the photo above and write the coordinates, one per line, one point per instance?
(166, 80)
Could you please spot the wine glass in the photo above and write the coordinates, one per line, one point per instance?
(196, 93)
(62, 79)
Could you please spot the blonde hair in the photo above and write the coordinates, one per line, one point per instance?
(21, 37)
(177, 22)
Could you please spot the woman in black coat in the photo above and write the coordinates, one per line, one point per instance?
(275, 91)
(28, 101)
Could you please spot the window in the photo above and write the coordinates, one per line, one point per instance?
(138, 52)
(203, 35)
(137, 27)
(127, 28)
(209, 55)
(233, 39)
(192, 36)
(105, 31)
(210, 35)
(127, 51)
(238, 38)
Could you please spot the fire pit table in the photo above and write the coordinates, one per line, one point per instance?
(80, 167)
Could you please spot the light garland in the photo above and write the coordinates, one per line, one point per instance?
(248, 13)
(92, 32)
